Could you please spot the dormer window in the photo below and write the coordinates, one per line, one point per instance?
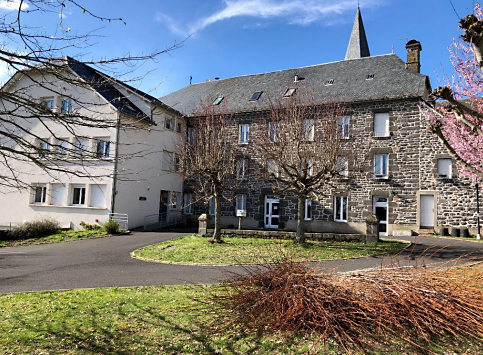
(256, 96)
(218, 100)
(289, 92)
(369, 76)
(329, 82)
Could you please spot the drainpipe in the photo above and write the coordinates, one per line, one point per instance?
(116, 158)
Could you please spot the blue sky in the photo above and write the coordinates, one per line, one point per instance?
(226, 38)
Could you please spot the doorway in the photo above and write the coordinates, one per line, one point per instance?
(380, 209)
(427, 211)
(163, 205)
(272, 212)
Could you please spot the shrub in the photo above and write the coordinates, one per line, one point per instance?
(111, 227)
(89, 227)
(35, 229)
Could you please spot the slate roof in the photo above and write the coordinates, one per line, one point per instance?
(358, 46)
(350, 84)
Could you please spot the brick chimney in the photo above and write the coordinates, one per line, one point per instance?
(414, 49)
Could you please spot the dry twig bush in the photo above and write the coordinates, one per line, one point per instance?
(413, 305)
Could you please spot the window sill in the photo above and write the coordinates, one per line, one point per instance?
(340, 220)
(67, 206)
(243, 143)
(382, 137)
(381, 178)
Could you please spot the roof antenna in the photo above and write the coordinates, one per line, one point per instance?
(191, 78)
(392, 49)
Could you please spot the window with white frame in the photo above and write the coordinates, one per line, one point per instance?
(98, 196)
(176, 163)
(175, 200)
(169, 123)
(342, 166)
(381, 166)
(274, 131)
(212, 206)
(102, 148)
(308, 209)
(179, 127)
(43, 147)
(65, 105)
(188, 203)
(445, 167)
(81, 148)
(272, 168)
(241, 169)
(167, 160)
(308, 130)
(62, 148)
(39, 194)
(48, 103)
(191, 136)
(381, 124)
(344, 126)
(340, 208)
(243, 131)
(78, 195)
(241, 202)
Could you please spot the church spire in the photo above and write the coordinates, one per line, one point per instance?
(358, 47)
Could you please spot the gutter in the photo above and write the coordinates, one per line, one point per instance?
(116, 158)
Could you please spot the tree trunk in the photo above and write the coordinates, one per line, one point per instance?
(217, 230)
(300, 234)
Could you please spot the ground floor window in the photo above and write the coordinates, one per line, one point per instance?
(241, 202)
(308, 209)
(78, 195)
(212, 206)
(39, 192)
(340, 208)
(188, 203)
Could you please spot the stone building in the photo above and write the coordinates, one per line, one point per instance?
(410, 182)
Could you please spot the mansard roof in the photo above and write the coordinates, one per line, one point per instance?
(366, 79)
(358, 46)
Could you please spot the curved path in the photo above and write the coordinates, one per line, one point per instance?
(106, 262)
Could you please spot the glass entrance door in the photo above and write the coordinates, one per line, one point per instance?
(380, 209)
(272, 212)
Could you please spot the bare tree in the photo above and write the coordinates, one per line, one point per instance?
(36, 58)
(208, 159)
(304, 150)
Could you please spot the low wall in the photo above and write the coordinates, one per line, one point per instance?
(337, 237)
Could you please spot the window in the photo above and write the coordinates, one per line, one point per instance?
(62, 148)
(340, 208)
(43, 147)
(242, 169)
(174, 200)
(39, 193)
(344, 126)
(369, 76)
(102, 148)
(289, 92)
(256, 96)
(243, 133)
(218, 100)
(445, 168)
(179, 127)
(308, 130)
(380, 166)
(168, 123)
(191, 136)
(98, 196)
(188, 203)
(308, 209)
(342, 166)
(241, 202)
(81, 147)
(272, 168)
(307, 167)
(65, 105)
(177, 163)
(78, 195)
(274, 131)
(212, 206)
(167, 160)
(329, 82)
(381, 124)
(48, 103)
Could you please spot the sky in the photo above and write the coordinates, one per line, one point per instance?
(227, 38)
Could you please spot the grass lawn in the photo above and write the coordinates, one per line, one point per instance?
(147, 320)
(63, 236)
(195, 249)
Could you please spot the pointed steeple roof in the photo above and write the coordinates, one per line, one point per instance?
(358, 47)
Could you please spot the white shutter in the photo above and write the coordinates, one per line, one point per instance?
(58, 195)
(381, 124)
(98, 195)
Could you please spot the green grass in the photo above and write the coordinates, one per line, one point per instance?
(149, 320)
(63, 236)
(196, 249)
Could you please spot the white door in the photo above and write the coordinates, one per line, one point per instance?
(380, 209)
(427, 211)
(272, 213)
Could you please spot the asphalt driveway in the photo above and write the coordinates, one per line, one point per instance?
(106, 262)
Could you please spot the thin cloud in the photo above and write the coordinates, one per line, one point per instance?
(12, 5)
(296, 12)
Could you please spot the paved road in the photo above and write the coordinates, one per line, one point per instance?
(106, 262)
